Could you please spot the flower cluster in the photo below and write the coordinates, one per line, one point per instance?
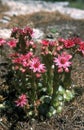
(73, 42)
(25, 62)
(21, 61)
(42, 70)
(50, 47)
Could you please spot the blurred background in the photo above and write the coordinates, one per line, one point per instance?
(72, 3)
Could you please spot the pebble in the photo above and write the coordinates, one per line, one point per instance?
(6, 18)
(3, 21)
(50, 36)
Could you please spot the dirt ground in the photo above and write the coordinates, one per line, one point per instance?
(72, 117)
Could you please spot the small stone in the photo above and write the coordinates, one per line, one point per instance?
(57, 34)
(50, 36)
(6, 18)
(3, 21)
(0, 119)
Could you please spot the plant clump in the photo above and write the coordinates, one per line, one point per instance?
(41, 71)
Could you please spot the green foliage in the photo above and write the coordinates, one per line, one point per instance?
(79, 4)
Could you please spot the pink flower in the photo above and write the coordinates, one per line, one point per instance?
(59, 48)
(62, 40)
(38, 75)
(12, 43)
(45, 42)
(15, 30)
(63, 62)
(36, 66)
(81, 47)
(21, 101)
(30, 44)
(69, 43)
(23, 60)
(76, 40)
(2, 41)
(52, 43)
(27, 31)
(16, 60)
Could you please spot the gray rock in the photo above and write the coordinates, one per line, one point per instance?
(6, 18)
(3, 21)
(5, 33)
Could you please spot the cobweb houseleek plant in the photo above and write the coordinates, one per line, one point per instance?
(42, 78)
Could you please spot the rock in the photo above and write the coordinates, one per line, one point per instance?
(50, 36)
(6, 18)
(37, 34)
(3, 21)
(72, 12)
(5, 33)
(27, 7)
